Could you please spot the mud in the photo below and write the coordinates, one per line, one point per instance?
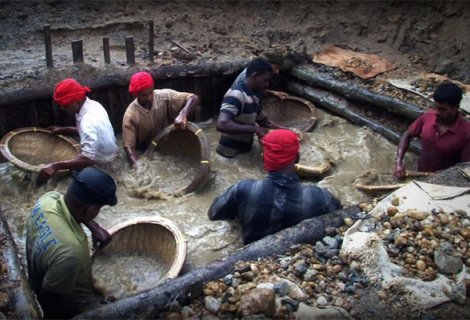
(415, 36)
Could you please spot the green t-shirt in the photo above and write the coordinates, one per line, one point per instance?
(57, 250)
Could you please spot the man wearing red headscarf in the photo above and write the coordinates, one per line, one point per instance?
(97, 141)
(279, 201)
(151, 112)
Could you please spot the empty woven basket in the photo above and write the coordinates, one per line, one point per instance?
(291, 112)
(31, 148)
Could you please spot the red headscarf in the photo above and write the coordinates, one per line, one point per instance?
(281, 148)
(69, 91)
(140, 81)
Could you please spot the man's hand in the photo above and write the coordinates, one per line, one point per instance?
(261, 132)
(99, 235)
(100, 238)
(278, 94)
(180, 122)
(47, 172)
(399, 171)
(55, 129)
(136, 165)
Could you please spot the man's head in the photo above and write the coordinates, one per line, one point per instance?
(447, 99)
(70, 95)
(90, 190)
(280, 150)
(141, 87)
(258, 74)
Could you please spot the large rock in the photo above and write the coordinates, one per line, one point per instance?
(306, 312)
(212, 304)
(258, 301)
(446, 263)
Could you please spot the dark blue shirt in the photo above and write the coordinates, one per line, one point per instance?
(267, 206)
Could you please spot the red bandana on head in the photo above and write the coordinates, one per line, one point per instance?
(280, 148)
(69, 91)
(140, 81)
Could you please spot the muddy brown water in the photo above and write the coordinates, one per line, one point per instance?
(352, 149)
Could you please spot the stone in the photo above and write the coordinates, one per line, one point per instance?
(446, 263)
(235, 282)
(174, 316)
(258, 301)
(339, 302)
(247, 276)
(244, 288)
(417, 215)
(187, 312)
(444, 66)
(331, 242)
(212, 304)
(306, 312)
(254, 268)
(291, 302)
(228, 307)
(282, 288)
(228, 279)
(325, 251)
(310, 274)
(300, 267)
(265, 285)
(295, 291)
(321, 301)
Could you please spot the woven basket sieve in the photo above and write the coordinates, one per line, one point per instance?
(191, 143)
(291, 112)
(31, 148)
(384, 182)
(155, 236)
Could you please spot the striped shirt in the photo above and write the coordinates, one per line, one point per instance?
(243, 107)
(267, 206)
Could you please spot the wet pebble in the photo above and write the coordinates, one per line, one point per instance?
(212, 304)
(321, 301)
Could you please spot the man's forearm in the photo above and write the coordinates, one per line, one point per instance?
(402, 147)
(131, 155)
(78, 163)
(191, 104)
(266, 123)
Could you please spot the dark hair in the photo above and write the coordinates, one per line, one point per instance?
(448, 93)
(258, 65)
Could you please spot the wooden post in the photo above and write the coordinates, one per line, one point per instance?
(77, 51)
(107, 55)
(151, 40)
(47, 40)
(130, 51)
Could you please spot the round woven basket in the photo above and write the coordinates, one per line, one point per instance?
(31, 148)
(291, 112)
(191, 143)
(157, 237)
(375, 182)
